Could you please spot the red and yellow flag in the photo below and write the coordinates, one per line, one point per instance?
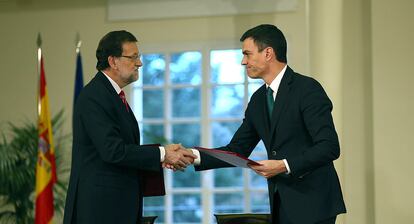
(46, 166)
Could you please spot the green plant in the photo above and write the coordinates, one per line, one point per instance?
(17, 170)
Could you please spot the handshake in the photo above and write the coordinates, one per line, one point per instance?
(177, 157)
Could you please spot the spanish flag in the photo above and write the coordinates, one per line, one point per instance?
(45, 166)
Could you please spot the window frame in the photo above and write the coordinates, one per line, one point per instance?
(207, 189)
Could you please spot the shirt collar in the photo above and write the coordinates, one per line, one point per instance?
(113, 83)
(276, 82)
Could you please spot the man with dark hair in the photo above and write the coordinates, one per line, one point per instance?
(291, 114)
(108, 162)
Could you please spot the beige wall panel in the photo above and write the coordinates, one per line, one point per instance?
(393, 109)
(325, 41)
(357, 112)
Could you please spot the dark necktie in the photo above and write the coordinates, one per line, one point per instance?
(122, 96)
(270, 101)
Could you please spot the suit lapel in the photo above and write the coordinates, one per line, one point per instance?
(262, 113)
(280, 101)
(131, 121)
(115, 97)
(124, 114)
(263, 110)
(136, 127)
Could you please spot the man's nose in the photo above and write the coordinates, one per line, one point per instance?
(138, 62)
(244, 61)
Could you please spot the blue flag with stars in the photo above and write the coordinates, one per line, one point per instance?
(78, 78)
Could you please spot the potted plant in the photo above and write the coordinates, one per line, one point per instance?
(18, 153)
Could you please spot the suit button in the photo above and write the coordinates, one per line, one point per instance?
(274, 153)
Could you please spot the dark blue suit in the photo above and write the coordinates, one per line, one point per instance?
(301, 130)
(108, 163)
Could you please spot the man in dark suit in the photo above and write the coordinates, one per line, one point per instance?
(291, 114)
(108, 162)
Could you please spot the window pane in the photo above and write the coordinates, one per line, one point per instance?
(187, 208)
(259, 153)
(226, 66)
(136, 103)
(228, 203)
(153, 103)
(222, 132)
(250, 80)
(153, 134)
(257, 181)
(153, 69)
(228, 177)
(186, 102)
(185, 67)
(227, 101)
(187, 134)
(260, 202)
(188, 178)
(154, 206)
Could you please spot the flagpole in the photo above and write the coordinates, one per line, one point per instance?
(78, 43)
(39, 58)
(39, 50)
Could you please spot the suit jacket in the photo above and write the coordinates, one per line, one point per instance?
(300, 130)
(107, 161)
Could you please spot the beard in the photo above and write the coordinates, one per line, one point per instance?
(132, 77)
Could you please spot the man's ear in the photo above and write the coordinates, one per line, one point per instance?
(270, 53)
(112, 62)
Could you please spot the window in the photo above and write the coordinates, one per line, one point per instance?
(198, 98)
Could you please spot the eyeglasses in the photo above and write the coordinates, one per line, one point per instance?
(132, 58)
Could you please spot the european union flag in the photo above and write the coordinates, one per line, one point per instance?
(78, 77)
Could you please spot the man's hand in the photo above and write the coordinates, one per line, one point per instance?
(177, 157)
(269, 168)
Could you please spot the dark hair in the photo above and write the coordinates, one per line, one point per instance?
(111, 45)
(267, 35)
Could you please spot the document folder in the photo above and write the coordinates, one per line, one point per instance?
(232, 158)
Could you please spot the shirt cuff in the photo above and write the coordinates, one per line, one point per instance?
(197, 161)
(287, 166)
(162, 153)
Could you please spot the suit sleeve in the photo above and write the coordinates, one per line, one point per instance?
(316, 110)
(243, 142)
(101, 124)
